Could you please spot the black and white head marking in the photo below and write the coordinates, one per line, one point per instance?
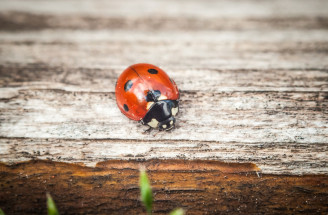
(161, 114)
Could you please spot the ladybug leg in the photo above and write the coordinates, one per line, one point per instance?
(156, 133)
(147, 131)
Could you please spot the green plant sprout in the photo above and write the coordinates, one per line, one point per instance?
(52, 209)
(146, 194)
(178, 211)
(1, 212)
(145, 191)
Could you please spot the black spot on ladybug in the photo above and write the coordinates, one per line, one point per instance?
(128, 85)
(153, 95)
(126, 108)
(152, 71)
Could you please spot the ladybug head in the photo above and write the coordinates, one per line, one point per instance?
(161, 114)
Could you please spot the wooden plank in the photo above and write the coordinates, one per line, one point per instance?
(247, 118)
(197, 186)
(146, 8)
(272, 49)
(274, 158)
(13, 21)
(16, 77)
(256, 80)
(251, 136)
(222, 111)
(254, 117)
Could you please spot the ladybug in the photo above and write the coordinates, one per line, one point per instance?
(147, 94)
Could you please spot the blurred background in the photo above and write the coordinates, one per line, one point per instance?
(212, 34)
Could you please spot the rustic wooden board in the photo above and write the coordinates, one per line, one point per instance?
(199, 187)
(256, 117)
(253, 81)
(254, 89)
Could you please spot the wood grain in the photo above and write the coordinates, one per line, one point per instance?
(249, 49)
(199, 187)
(166, 8)
(272, 118)
(16, 77)
(251, 135)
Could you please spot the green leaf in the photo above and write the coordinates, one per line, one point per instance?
(178, 211)
(52, 210)
(145, 191)
(1, 212)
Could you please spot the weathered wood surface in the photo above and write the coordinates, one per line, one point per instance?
(253, 77)
(199, 187)
(275, 129)
(253, 80)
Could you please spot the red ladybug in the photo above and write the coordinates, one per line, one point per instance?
(146, 93)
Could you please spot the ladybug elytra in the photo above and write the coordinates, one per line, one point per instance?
(146, 93)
